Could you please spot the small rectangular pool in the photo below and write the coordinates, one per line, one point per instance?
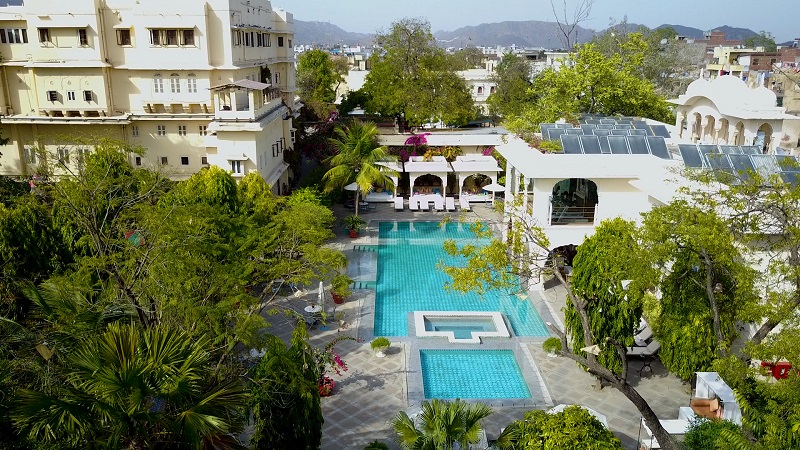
(465, 327)
(472, 374)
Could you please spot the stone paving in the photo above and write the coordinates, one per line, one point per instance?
(369, 395)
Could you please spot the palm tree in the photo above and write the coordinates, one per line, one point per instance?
(133, 388)
(358, 159)
(441, 424)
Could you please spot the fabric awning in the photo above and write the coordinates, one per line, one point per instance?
(246, 84)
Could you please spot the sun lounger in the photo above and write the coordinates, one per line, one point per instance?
(450, 203)
(424, 204)
(642, 338)
(438, 203)
(398, 203)
(646, 353)
(413, 204)
(464, 203)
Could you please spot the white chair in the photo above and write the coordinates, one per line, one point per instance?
(398, 203)
(413, 204)
(438, 203)
(450, 203)
(464, 203)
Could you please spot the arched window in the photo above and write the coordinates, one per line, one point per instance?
(480, 90)
(492, 90)
(158, 83)
(175, 83)
(277, 78)
(191, 83)
(573, 202)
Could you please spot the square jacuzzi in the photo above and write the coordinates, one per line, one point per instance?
(465, 327)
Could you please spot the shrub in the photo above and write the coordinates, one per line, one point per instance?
(552, 345)
(375, 445)
(380, 343)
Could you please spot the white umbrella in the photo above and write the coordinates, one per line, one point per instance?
(321, 301)
(494, 187)
(351, 187)
(560, 408)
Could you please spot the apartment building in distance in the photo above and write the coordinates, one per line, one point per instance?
(195, 83)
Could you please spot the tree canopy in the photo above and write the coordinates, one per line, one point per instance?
(318, 76)
(413, 79)
(762, 39)
(572, 428)
(512, 77)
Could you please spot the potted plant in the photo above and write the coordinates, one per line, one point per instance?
(552, 346)
(340, 288)
(354, 224)
(379, 345)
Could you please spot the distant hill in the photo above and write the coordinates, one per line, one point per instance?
(529, 33)
(732, 33)
(327, 34)
(10, 2)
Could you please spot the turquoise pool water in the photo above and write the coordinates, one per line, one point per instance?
(485, 374)
(408, 280)
(462, 328)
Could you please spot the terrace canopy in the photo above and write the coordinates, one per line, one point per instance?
(470, 165)
(417, 167)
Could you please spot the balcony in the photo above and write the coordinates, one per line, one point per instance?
(571, 215)
(245, 100)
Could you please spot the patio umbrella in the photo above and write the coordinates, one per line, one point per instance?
(600, 417)
(494, 187)
(321, 301)
(351, 187)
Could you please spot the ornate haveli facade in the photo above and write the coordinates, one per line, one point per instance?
(194, 83)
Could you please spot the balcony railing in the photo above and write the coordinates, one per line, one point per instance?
(572, 215)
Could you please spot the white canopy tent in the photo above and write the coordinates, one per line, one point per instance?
(417, 167)
(470, 165)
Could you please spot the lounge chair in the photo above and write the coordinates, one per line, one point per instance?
(413, 204)
(424, 204)
(642, 338)
(646, 353)
(438, 203)
(464, 203)
(450, 203)
(398, 203)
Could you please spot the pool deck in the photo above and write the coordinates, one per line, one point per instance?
(373, 390)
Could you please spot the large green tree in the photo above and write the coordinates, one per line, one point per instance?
(134, 388)
(762, 39)
(358, 159)
(413, 79)
(319, 74)
(572, 428)
(441, 424)
(513, 78)
(590, 81)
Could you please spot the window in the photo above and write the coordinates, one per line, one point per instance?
(161, 130)
(755, 61)
(184, 160)
(237, 38)
(204, 160)
(158, 84)
(30, 155)
(14, 35)
(480, 90)
(135, 130)
(203, 130)
(280, 41)
(155, 37)
(175, 83)
(70, 95)
(138, 160)
(83, 37)
(246, 39)
(191, 83)
(88, 96)
(63, 155)
(236, 167)
(181, 130)
(164, 161)
(277, 77)
(290, 43)
(124, 37)
(172, 37)
(259, 40)
(81, 152)
(268, 39)
(44, 35)
(188, 38)
(292, 135)
(492, 89)
(52, 96)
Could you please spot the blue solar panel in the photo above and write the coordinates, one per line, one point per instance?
(619, 132)
(705, 149)
(742, 165)
(637, 133)
(660, 130)
(575, 131)
(563, 125)
(591, 145)
(791, 177)
(730, 149)
(599, 132)
(719, 161)
(571, 144)
(587, 128)
(658, 147)
(624, 126)
(751, 149)
(604, 147)
(638, 145)
(553, 134)
(690, 155)
(787, 163)
(619, 145)
(605, 126)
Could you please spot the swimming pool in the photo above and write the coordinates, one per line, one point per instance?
(479, 374)
(409, 281)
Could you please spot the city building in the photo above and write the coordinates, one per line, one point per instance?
(193, 83)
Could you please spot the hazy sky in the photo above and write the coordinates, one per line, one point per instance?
(780, 17)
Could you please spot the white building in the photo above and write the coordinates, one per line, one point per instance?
(726, 111)
(193, 83)
(480, 85)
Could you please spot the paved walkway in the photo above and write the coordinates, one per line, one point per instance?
(369, 395)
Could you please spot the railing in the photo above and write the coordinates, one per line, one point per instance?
(571, 215)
